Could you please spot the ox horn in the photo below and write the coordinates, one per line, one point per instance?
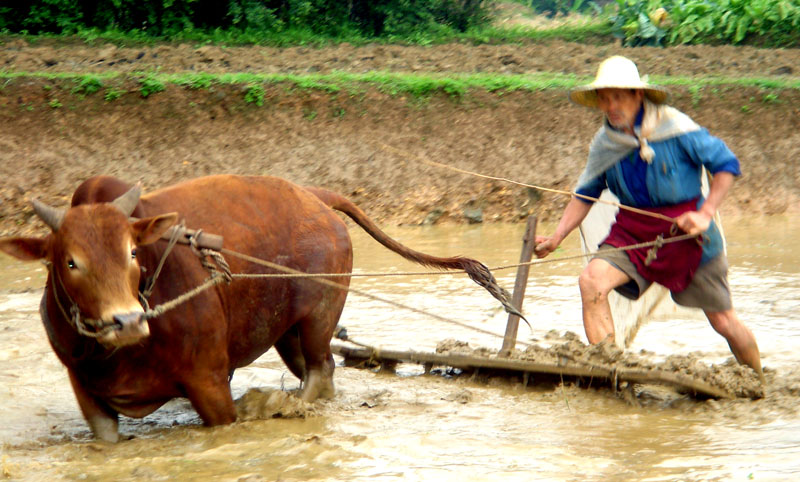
(128, 201)
(51, 216)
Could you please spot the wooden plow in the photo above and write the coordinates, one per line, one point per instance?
(530, 372)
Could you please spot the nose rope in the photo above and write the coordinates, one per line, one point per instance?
(78, 322)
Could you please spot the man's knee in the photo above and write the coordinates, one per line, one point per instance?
(591, 285)
(599, 278)
(722, 321)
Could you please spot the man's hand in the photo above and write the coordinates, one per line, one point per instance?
(545, 245)
(694, 222)
(697, 222)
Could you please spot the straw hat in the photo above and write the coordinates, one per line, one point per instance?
(616, 72)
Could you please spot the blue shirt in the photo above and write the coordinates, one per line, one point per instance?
(673, 177)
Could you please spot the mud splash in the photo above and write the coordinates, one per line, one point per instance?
(265, 403)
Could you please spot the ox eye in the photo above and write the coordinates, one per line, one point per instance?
(71, 264)
(133, 253)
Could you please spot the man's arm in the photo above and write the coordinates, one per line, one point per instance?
(574, 213)
(697, 222)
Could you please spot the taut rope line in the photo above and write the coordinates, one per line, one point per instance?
(423, 160)
(225, 276)
(320, 278)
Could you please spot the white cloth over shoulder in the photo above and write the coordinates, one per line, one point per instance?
(660, 122)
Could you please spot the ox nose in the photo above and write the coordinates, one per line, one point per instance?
(127, 320)
(130, 328)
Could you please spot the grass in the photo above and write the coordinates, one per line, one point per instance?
(592, 31)
(395, 84)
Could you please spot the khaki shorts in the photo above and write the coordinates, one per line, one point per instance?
(708, 290)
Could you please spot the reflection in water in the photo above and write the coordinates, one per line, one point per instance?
(409, 427)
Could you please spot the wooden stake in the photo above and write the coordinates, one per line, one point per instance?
(528, 243)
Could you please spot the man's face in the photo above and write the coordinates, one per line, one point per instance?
(620, 105)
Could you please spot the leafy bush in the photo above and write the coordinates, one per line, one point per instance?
(731, 21)
(633, 24)
(173, 17)
(659, 22)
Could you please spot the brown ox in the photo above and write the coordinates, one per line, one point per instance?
(96, 256)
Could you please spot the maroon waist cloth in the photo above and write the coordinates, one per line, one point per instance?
(675, 263)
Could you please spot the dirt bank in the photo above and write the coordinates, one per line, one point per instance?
(368, 146)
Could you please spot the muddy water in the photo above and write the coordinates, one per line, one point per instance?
(412, 427)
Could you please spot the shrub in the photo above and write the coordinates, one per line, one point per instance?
(150, 85)
(88, 85)
(658, 22)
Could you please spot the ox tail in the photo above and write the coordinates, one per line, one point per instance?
(476, 270)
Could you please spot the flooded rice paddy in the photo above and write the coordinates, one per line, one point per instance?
(410, 426)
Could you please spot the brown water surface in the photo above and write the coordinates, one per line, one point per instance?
(383, 427)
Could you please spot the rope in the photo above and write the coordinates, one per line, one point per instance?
(319, 278)
(299, 274)
(164, 307)
(151, 281)
(539, 188)
(220, 273)
(226, 276)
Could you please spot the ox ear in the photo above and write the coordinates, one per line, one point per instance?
(25, 249)
(149, 230)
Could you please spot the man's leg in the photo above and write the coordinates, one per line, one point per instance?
(596, 281)
(740, 339)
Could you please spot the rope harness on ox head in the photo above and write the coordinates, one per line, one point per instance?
(220, 272)
(92, 328)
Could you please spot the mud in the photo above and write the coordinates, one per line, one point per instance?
(738, 380)
(265, 403)
(368, 146)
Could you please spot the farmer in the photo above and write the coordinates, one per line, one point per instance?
(651, 156)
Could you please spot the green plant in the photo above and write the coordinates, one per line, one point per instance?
(113, 94)
(87, 85)
(197, 81)
(254, 94)
(696, 93)
(55, 104)
(732, 21)
(634, 25)
(150, 85)
(770, 99)
(660, 22)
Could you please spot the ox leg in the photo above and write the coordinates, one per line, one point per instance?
(319, 382)
(211, 398)
(291, 352)
(103, 421)
(315, 342)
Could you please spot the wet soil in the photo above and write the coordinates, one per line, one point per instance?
(736, 380)
(368, 146)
